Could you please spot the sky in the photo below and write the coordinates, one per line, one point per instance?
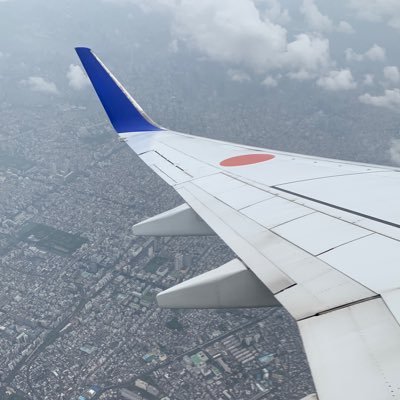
(271, 40)
(340, 52)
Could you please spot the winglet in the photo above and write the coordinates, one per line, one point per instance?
(123, 111)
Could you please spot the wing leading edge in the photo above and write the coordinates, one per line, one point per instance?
(296, 225)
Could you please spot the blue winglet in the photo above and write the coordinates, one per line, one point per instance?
(122, 110)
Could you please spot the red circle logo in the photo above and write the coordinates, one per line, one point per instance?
(246, 159)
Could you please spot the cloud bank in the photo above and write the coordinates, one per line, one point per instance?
(387, 11)
(270, 81)
(375, 53)
(253, 40)
(320, 22)
(245, 34)
(391, 74)
(337, 80)
(390, 99)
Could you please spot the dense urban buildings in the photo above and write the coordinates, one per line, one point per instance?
(78, 318)
(77, 310)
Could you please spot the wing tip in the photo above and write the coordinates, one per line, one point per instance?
(82, 49)
(124, 112)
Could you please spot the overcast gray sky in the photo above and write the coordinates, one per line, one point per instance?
(338, 46)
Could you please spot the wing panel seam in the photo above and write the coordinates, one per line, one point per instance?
(353, 303)
(325, 203)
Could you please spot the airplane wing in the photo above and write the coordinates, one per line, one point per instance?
(317, 236)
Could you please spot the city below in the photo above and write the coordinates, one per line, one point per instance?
(78, 317)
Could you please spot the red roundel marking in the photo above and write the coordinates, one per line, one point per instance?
(246, 159)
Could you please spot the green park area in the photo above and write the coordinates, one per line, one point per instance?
(155, 263)
(51, 239)
(19, 163)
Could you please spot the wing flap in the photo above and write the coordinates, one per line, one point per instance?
(305, 285)
(354, 352)
(215, 213)
(372, 260)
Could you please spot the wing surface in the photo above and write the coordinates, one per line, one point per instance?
(321, 235)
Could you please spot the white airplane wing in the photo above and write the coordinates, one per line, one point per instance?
(317, 236)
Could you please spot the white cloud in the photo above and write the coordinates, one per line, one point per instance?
(394, 151)
(238, 76)
(320, 22)
(337, 80)
(39, 84)
(387, 11)
(375, 53)
(345, 27)
(237, 34)
(351, 55)
(228, 32)
(77, 79)
(244, 34)
(307, 55)
(270, 81)
(273, 11)
(392, 74)
(368, 79)
(314, 18)
(390, 99)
